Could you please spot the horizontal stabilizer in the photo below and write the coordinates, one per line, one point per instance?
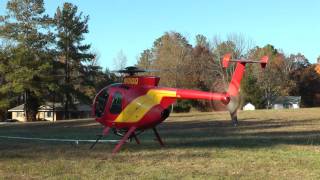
(227, 59)
(264, 61)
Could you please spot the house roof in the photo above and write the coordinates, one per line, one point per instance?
(19, 108)
(287, 100)
(57, 107)
(49, 107)
(83, 107)
(249, 105)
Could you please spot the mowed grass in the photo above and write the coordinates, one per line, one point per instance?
(268, 144)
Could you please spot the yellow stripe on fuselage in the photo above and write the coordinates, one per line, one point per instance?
(135, 111)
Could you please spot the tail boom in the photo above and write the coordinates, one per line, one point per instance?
(194, 94)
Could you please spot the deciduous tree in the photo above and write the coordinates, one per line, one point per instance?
(273, 81)
(120, 62)
(171, 52)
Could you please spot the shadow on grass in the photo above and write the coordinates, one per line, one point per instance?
(251, 133)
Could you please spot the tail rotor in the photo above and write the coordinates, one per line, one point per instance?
(234, 85)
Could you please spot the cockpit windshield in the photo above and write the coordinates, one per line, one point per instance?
(116, 105)
(101, 102)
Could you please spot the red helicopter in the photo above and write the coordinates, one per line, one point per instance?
(138, 103)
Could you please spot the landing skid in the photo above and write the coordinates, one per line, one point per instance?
(123, 140)
(135, 138)
(129, 135)
(158, 136)
(104, 133)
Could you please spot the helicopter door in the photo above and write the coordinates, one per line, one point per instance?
(116, 104)
(101, 102)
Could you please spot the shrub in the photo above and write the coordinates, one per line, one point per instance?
(182, 106)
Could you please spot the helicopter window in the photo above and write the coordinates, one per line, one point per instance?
(101, 102)
(116, 106)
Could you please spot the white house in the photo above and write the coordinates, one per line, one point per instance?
(286, 102)
(52, 112)
(249, 107)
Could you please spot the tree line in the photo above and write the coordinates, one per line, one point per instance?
(198, 66)
(44, 59)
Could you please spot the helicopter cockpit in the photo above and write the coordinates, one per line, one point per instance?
(108, 102)
(100, 103)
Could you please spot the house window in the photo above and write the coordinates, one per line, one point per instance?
(116, 106)
(49, 114)
(20, 114)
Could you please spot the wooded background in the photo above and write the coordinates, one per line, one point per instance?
(44, 59)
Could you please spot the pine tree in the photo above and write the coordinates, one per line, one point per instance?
(74, 55)
(25, 70)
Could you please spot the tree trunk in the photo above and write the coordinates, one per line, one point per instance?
(67, 81)
(66, 106)
(3, 114)
(31, 106)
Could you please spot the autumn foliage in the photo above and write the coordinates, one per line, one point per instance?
(198, 66)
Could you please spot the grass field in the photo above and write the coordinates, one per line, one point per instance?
(267, 144)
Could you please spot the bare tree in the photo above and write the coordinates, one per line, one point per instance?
(236, 44)
(120, 62)
(242, 44)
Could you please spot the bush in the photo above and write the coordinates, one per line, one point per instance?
(182, 106)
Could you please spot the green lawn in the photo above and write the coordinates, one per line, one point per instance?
(267, 144)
